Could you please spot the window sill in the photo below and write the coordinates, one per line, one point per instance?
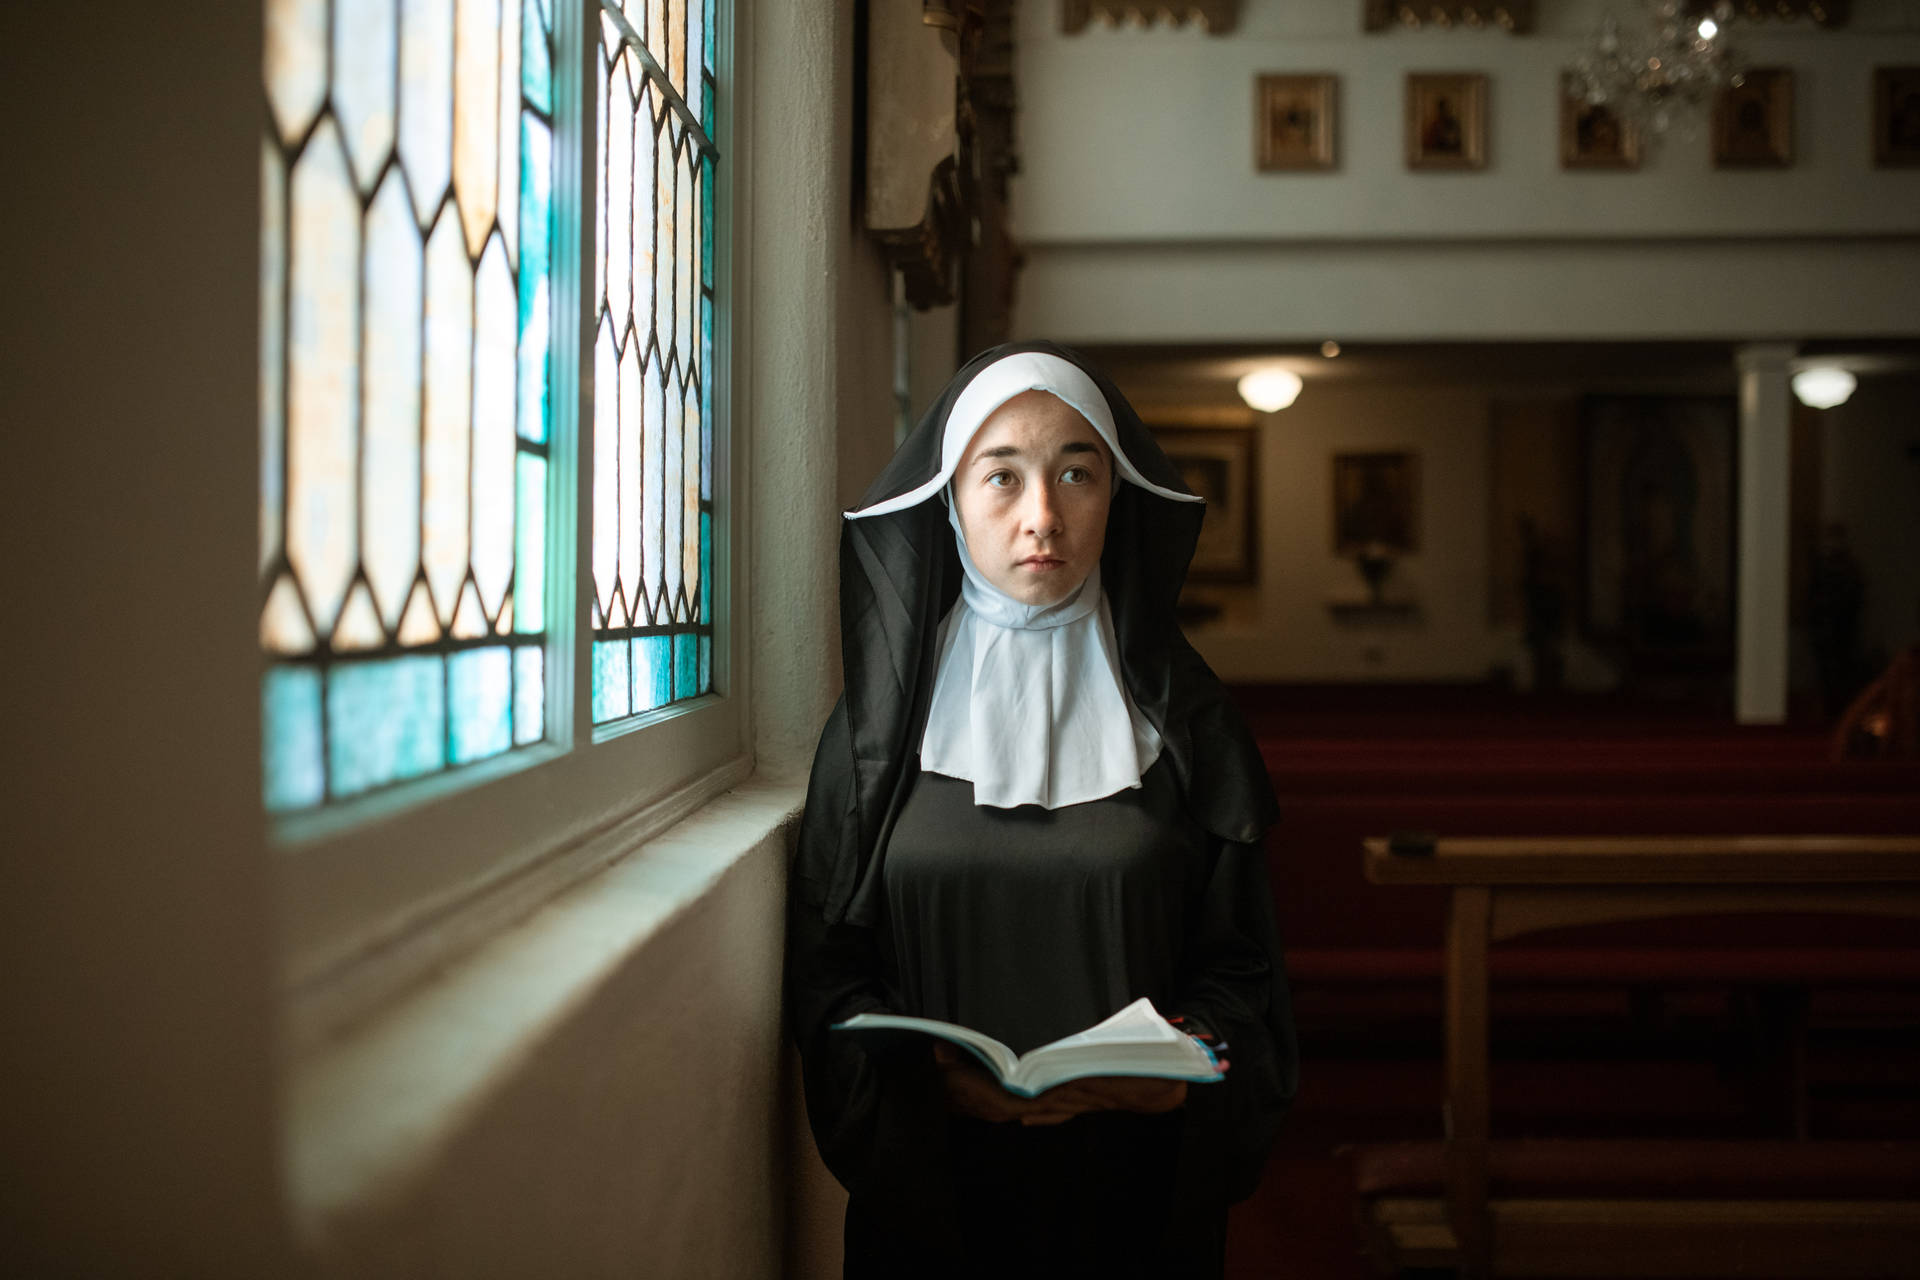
(373, 1112)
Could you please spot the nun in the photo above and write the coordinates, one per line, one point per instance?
(1032, 805)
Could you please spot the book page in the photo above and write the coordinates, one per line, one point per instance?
(996, 1056)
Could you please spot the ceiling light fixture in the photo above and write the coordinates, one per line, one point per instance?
(1270, 390)
(1823, 388)
(1660, 71)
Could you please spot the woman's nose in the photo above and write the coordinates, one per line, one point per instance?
(1043, 512)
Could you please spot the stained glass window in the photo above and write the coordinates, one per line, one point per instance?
(405, 409)
(653, 357)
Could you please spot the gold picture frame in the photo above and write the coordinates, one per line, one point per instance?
(1896, 117)
(1293, 122)
(1446, 120)
(1594, 136)
(1753, 121)
(1221, 463)
(1376, 502)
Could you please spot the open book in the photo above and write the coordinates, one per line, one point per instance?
(1136, 1041)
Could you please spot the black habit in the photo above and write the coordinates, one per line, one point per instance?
(1029, 923)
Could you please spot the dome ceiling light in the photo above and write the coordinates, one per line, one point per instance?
(1270, 390)
(1823, 388)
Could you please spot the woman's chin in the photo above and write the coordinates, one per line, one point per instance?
(1042, 589)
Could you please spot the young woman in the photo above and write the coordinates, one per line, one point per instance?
(1032, 806)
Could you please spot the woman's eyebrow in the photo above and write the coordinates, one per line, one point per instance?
(1013, 451)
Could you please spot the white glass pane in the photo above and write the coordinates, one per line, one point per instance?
(323, 375)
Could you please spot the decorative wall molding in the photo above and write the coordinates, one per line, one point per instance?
(1822, 13)
(1513, 16)
(917, 136)
(1216, 17)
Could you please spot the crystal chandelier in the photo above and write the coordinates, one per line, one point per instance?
(1661, 76)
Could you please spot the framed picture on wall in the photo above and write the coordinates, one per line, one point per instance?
(1446, 120)
(1593, 135)
(1659, 523)
(1293, 122)
(1376, 503)
(1896, 117)
(1753, 121)
(1219, 464)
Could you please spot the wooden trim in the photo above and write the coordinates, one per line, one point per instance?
(1468, 916)
(1787, 1239)
(1518, 910)
(1540, 860)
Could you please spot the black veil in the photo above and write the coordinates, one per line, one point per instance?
(900, 574)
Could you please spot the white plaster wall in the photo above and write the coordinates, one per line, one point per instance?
(137, 1021)
(1471, 291)
(1283, 629)
(1144, 218)
(1147, 134)
(1871, 483)
(799, 152)
(593, 1094)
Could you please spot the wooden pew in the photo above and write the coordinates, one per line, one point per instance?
(1568, 1208)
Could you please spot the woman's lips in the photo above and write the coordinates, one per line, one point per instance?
(1040, 564)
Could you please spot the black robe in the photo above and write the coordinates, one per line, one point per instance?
(882, 1126)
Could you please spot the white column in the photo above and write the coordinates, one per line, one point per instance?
(1760, 662)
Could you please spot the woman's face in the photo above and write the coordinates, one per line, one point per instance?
(1032, 492)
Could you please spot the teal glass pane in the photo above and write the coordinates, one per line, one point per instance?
(686, 666)
(529, 695)
(707, 53)
(660, 663)
(296, 775)
(385, 722)
(530, 546)
(706, 663)
(706, 399)
(536, 62)
(652, 672)
(480, 689)
(612, 695)
(706, 225)
(706, 566)
(536, 302)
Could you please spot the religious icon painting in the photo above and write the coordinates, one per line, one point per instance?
(1446, 120)
(1293, 122)
(1593, 135)
(1753, 121)
(1896, 117)
(1376, 503)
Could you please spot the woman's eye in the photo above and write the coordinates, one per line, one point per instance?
(1000, 479)
(1076, 475)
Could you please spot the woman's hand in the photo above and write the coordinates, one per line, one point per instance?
(973, 1092)
(1143, 1094)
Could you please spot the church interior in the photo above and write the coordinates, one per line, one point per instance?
(1577, 628)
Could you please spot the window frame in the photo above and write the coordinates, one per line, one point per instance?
(376, 891)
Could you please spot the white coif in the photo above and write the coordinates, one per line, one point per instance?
(1029, 703)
